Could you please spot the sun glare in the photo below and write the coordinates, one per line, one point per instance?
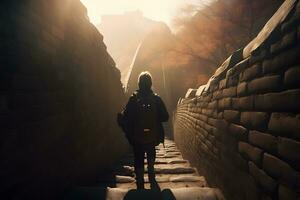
(160, 10)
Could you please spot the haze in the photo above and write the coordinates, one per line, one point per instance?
(155, 9)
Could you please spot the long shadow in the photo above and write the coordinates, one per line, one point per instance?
(134, 194)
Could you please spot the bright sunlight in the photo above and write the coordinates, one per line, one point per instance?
(160, 10)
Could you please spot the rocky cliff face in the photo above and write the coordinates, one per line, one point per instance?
(59, 95)
(241, 129)
(123, 34)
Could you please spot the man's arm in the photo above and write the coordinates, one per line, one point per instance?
(129, 113)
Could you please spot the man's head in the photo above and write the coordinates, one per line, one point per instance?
(145, 81)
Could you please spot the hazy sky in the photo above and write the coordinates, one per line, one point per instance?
(161, 10)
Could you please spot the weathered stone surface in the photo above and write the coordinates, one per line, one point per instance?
(250, 152)
(283, 101)
(264, 141)
(187, 178)
(282, 61)
(124, 179)
(238, 131)
(243, 103)
(287, 40)
(262, 178)
(195, 193)
(251, 72)
(224, 103)
(71, 93)
(213, 105)
(265, 84)
(229, 92)
(256, 120)
(212, 121)
(285, 124)
(242, 89)
(222, 124)
(280, 170)
(267, 99)
(291, 77)
(217, 95)
(222, 84)
(232, 115)
(288, 149)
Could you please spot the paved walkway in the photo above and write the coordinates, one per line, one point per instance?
(175, 176)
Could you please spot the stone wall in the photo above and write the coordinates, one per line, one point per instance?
(59, 95)
(242, 129)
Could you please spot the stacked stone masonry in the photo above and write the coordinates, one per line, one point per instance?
(59, 95)
(243, 131)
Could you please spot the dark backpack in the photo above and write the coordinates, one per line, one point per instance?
(146, 122)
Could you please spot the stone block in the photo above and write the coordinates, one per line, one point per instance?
(250, 152)
(280, 170)
(238, 132)
(202, 117)
(291, 77)
(285, 124)
(222, 84)
(224, 103)
(216, 132)
(289, 150)
(243, 103)
(231, 115)
(264, 141)
(213, 105)
(284, 101)
(286, 193)
(232, 80)
(207, 112)
(229, 92)
(255, 120)
(220, 115)
(222, 124)
(240, 162)
(212, 121)
(217, 94)
(207, 127)
(288, 40)
(265, 84)
(242, 89)
(251, 73)
(266, 182)
(282, 61)
(215, 114)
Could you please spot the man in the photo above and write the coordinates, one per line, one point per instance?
(142, 123)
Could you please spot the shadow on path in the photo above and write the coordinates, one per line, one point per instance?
(166, 194)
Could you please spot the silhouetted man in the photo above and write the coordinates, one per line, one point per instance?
(143, 117)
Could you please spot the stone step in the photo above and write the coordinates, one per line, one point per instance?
(174, 170)
(164, 185)
(168, 156)
(168, 161)
(162, 178)
(184, 193)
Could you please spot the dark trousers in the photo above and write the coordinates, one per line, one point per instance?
(139, 156)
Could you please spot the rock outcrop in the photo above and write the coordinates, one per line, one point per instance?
(59, 95)
(241, 129)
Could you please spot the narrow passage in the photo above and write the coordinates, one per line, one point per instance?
(175, 176)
